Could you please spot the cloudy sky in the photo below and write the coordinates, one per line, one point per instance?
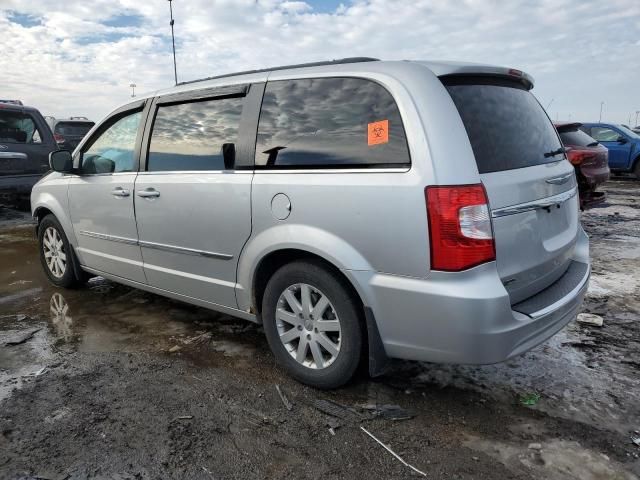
(78, 57)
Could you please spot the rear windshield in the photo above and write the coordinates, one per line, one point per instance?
(576, 138)
(18, 127)
(507, 127)
(73, 128)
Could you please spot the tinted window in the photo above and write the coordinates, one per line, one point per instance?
(190, 136)
(576, 138)
(604, 134)
(114, 149)
(506, 125)
(329, 123)
(18, 127)
(73, 128)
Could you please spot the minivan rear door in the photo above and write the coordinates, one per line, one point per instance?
(530, 184)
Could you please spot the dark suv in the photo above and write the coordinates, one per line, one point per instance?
(25, 143)
(69, 131)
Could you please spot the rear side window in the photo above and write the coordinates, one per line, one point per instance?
(18, 127)
(190, 136)
(506, 125)
(604, 134)
(329, 123)
(576, 138)
(73, 128)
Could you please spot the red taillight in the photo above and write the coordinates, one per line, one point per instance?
(576, 157)
(460, 230)
(58, 138)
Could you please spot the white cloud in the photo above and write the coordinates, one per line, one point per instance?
(78, 61)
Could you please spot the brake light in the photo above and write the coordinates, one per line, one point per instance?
(58, 138)
(576, 157)
(460, 231)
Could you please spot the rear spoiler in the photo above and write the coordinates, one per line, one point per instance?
(479, 71)
(567, 127)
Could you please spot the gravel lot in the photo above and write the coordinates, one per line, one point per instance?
(111, 382)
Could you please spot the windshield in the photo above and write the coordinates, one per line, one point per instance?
(628, 132)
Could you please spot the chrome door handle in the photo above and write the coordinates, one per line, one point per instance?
(120, 192)
(149, 193)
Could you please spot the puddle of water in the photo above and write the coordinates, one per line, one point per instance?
(101, 317)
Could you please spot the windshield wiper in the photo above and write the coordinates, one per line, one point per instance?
(593, 144)
(553, 153)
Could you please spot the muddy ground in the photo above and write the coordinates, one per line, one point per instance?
(111, 382)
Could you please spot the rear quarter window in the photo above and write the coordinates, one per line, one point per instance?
(329, 123)
(506, 125)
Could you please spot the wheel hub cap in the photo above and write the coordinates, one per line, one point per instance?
(54, 254)
(308, 326)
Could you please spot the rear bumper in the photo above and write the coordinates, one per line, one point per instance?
(466, 317)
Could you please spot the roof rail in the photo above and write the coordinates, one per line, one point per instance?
(287, 67)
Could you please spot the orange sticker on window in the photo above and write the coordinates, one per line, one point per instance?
(378, 132)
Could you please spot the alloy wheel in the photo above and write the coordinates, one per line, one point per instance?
(54, 252)
(308, 326)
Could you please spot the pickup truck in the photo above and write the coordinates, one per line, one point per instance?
(623, 145)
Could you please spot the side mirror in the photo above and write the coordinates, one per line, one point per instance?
(622, 140)
(229, 155)
(61, 161)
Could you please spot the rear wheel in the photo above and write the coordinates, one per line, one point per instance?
(312, 324)
(56, 254)
(636, 168)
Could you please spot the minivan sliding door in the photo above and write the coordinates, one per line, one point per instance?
(193, 199)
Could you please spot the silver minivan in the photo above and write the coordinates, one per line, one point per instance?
(360, 210)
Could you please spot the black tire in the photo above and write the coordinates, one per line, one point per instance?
(636, 169)
(346, 361)
(68, 278)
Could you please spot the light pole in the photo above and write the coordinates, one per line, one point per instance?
(173, 43)
(133, 89)
(601, 105)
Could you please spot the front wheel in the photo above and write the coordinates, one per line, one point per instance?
(56, 253)
(312, 324)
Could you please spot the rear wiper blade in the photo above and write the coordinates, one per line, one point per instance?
(553, 153)
(593, 144)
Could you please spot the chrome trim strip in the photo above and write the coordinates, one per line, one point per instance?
(536, 204)
(195, 172)
(564, 300)
(275, 171)
(191, 251)
(561, 180)
(157, 246)
(16, 155)
(112, 238)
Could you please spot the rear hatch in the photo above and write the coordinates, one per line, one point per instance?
(71, 133)
(585, 153)
(529, 182)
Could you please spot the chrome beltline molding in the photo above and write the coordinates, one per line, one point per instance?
(157, 246)
(536, 204)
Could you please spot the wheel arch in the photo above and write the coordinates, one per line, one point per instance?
(48, 204)
(280, 255)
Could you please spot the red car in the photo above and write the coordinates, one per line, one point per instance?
(590, 159)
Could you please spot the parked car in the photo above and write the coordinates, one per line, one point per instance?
(25, 144)
(636, 130)
(358, 209)
(69, 131)
(623, 145)
(590, 160)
